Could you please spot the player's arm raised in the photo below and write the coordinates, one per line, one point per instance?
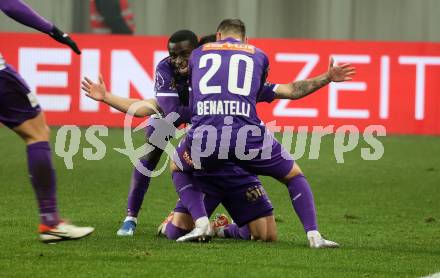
(21, 12)
(302, 88)
(98, 92)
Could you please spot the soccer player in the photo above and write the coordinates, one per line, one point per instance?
(19, 111)
(226, 79)
(243, 197)
(171, 88)
(172, 91)
(231, 192)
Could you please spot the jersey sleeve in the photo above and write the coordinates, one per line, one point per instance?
(167, 95)
(21, 12)
(267, 92)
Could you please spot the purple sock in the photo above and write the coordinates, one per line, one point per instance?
(173, 232)
(233, 231)
(190, 195)
(138, 188)
(302, 201)
(43, 181)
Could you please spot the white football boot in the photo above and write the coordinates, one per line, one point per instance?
(202, 231)
(63, 231)
(317, 241)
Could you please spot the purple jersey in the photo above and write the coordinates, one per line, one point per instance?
(172, 91)
(227, 79)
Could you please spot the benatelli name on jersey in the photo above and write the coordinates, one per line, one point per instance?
(228, 79)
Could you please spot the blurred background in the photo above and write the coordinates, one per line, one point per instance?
(396, 20)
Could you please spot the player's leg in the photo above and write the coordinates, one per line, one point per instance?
(280, 166)
(189, 193)
(303, 203)
(180, 225)
(52, 229)
(138, 188)
(181, 222)
(35, 133)
(20, 112)
(251, 209)
(263, 228)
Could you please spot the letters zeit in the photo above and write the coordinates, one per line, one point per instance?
(127, 72)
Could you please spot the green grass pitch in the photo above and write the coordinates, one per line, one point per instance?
(385, 214)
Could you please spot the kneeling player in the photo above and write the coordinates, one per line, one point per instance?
(243, 197)
(225, 130)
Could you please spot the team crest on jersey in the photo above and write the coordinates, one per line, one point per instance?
(159, 82)
(254, 192)
(229, 46)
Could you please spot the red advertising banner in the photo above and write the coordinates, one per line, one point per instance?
(397, 84)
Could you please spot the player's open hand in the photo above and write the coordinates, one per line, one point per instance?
(340, 73)
(96, 91)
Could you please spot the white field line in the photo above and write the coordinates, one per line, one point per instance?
(434, 275)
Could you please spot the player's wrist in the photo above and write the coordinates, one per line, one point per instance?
(328, 77)
(106, 98)
(56, 33)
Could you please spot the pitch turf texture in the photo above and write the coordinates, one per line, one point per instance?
(385, 214)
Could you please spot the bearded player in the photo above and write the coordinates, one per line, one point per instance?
(19, 111)
(227, 77)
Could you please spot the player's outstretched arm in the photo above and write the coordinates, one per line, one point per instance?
(98, 92)
(21, 12)
(302, 88)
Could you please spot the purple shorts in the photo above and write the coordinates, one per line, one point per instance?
(277, 164)
(242, 196)
(17, 103)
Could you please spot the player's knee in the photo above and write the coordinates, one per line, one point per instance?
(42, 134)
(34, 134)
(46, 132)
(268, 229)
(34, 130)
(292, 173)
(183, 221)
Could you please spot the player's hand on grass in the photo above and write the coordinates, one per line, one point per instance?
(340, 73)
(96, 91)
(63, 38)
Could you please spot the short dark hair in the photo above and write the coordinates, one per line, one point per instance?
(232, 26)
(207, 39)
(184, 35)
